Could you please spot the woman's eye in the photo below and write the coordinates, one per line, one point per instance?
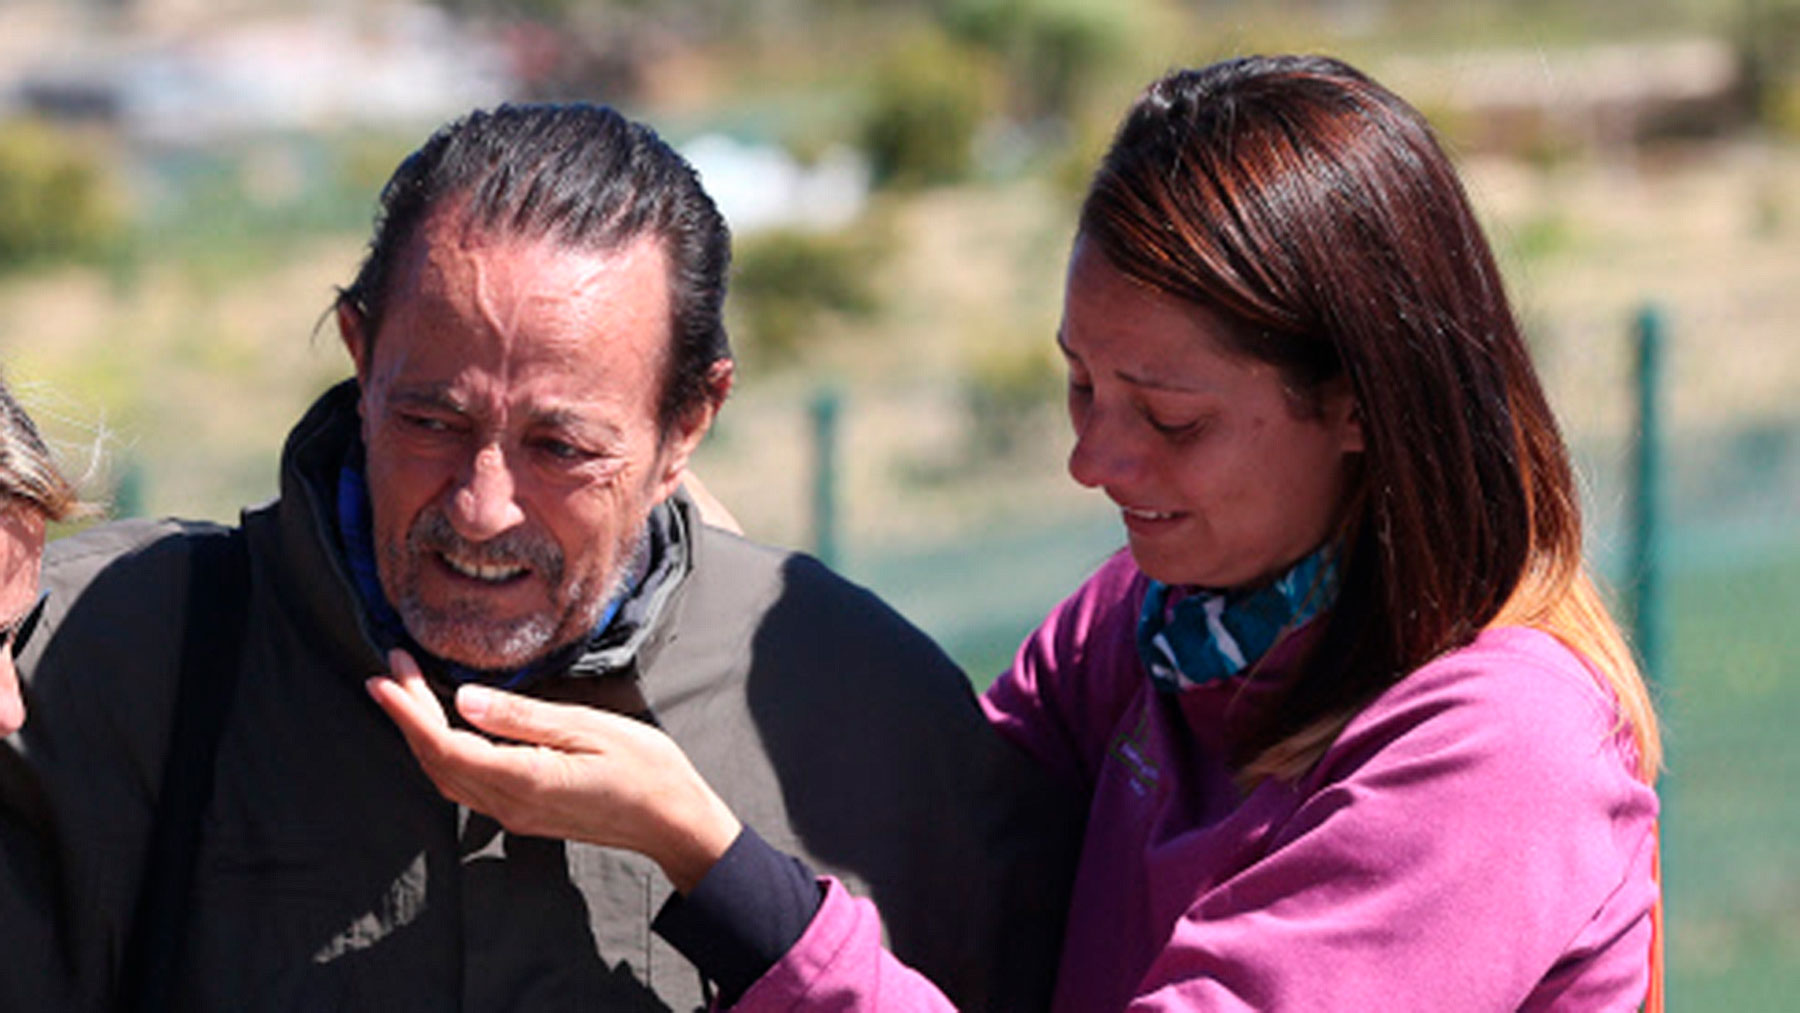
(1174, 429)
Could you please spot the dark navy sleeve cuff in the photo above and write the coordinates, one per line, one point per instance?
(743, 917)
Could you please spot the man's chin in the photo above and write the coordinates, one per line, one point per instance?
(483, 650)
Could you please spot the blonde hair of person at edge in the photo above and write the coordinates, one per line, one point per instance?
(1354, 727)
(33, 494)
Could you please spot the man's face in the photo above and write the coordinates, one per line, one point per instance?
(509, 410)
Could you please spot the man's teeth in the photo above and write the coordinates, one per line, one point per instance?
(1149, 515)
(483, 571)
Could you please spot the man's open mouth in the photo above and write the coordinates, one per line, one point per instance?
(492, 573)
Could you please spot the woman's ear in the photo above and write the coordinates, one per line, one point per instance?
(1344, 414)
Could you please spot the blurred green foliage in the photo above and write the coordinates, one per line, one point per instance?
(1767, 37)
(787, 283)
(1053, 51)
(57, 197)
(1007, 392)
(927, 97)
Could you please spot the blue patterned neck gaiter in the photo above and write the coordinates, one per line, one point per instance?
(1192, 636)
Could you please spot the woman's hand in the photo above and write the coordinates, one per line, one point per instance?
(568, 771)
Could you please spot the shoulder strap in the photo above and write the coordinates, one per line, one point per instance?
(211, 643)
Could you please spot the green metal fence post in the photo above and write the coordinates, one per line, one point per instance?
(128, 493)
(1647, 494)
(825, 406)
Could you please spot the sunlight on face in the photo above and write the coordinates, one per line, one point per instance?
(509, 409)
(1219, 477)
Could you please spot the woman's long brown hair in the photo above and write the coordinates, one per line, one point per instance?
(1316, 210)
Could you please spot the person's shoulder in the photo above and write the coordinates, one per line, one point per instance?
(797, 608)
(1516, 670)
(1101, 611)
(1511, 698)
(115, 614)
(1115, 584)
(771, 574)
(78, 556)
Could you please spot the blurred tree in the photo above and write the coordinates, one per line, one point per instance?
(56, 198)
(926, 101)
(786, 282)
(1009, 393)
(1054, 49)
(1768, 44)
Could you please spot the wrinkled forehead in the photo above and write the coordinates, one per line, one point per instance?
(476, 316)
(483, 270)
(450, 249)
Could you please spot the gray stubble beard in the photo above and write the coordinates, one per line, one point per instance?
(450, 633)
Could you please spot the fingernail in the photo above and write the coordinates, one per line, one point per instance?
(474, 701)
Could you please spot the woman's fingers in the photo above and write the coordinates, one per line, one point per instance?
(569, 728)
(561, 770)
(464, 766)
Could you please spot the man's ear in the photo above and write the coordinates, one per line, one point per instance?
(681, 439)
(350, 328)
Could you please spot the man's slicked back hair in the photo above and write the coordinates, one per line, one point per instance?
(579, 175)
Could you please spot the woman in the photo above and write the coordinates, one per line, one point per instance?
(32, 493)
(1356, 730)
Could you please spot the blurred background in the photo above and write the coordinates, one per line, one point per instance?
(183, 182)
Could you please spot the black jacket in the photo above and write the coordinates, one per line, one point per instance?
(332, 875)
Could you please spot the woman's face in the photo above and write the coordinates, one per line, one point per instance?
(21, 553)
(1223, 477)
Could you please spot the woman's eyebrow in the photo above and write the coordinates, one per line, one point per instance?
(1147, 381)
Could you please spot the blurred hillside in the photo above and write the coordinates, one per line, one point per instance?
(182, 183)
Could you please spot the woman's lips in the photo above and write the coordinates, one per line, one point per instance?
(1147, 521)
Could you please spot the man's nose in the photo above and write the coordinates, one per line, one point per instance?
(486, 502)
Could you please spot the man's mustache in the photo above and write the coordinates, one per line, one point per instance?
(433, 532)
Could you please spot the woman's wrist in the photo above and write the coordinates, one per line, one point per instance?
(695, 842)
(744, 916)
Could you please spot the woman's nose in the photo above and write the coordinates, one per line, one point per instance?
(1102, 456)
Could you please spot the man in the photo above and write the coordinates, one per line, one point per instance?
(538, 348)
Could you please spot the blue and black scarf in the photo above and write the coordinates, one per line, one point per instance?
(1193, 636)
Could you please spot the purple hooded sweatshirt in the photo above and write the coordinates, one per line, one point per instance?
(1475, 839)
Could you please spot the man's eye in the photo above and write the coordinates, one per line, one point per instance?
(561, 450)
(425, 423)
